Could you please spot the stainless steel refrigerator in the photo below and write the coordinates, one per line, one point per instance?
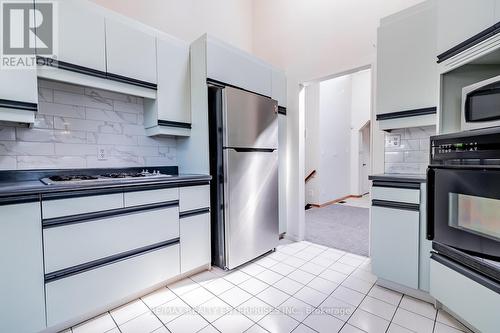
(244, 167)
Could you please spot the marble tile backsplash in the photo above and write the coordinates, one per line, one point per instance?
(412, 154)
(73, 122)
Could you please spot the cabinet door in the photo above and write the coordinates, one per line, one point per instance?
(459, 20)
(233, 66)
(81, 35)
(395, 245)
(406, 61)
(195, 242)
(130, 52)
(279, 87)
(282, 171)
(22, 289)
(173, 82)
(19, 85)
(497, 11)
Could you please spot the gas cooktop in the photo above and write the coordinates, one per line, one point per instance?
(106, 177)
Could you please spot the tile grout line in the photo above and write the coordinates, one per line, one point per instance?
(154, 314)
(112, 318)
(394, 314)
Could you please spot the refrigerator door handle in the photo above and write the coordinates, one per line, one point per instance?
(255, 150)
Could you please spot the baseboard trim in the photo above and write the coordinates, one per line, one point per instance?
(420, 294)
(350, 196)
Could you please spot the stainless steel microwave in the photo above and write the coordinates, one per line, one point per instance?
(481, 104)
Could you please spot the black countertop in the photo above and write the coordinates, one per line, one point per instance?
(401, 178)
(27, 183)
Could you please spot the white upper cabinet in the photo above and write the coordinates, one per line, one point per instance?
(171, 110)
(230, 65)
(279, 87)
(406, 60)
(130, 52)
(497, 11)
(459, 20)
(81, 35)
(24, 89)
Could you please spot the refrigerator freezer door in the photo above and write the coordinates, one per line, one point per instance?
(251, 205)
(250, 120)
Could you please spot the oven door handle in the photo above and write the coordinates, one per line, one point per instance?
(430, 203)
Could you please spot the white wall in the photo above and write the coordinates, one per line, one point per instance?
(335, 136)
(229, 20)
(312, 39)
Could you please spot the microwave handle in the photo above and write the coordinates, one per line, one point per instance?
(430, 203)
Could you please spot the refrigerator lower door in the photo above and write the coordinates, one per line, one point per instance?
(251, 219)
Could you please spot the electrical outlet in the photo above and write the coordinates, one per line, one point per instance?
(394, 140)
(102, 154)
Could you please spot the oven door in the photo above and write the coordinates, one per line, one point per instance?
(464, 209)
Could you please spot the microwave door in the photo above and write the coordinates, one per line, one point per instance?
(481, 105)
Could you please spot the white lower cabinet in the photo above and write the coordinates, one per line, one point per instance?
(195, 242)
(194, 197)
(473, 302)
(395, 245)
(96, 290)
(74, 244)
(81, 205)
(150, 196)
(22, 306)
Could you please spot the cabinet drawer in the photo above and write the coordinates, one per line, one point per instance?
(74, 244)
(149, 197)
(195, 241)
(97, 289)
(81, 205)
(395, 245)
(396, 194)
(194, 197)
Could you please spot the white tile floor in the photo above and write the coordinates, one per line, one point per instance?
(302, 287)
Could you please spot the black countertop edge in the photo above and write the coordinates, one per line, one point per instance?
(15, 191)
(399, 178)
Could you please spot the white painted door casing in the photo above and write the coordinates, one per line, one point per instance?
(22, 289)
(282, 171)
(130, 52)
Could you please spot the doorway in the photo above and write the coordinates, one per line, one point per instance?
(337, 161)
